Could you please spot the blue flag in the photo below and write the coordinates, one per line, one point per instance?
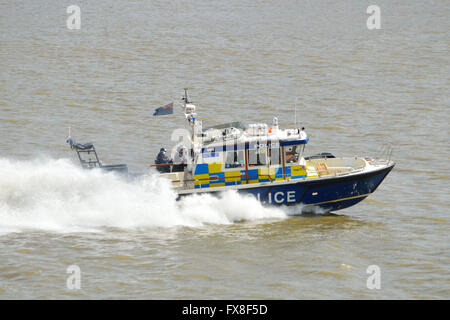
(167, 109)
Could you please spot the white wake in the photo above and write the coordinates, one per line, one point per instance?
(59, 196)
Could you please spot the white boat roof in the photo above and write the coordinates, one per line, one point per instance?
(235, 132)
(238, 133)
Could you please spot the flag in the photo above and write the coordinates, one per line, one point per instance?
(167, 109)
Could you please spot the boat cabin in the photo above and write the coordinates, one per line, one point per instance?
(232, 154)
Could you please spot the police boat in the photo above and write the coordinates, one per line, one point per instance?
(268, 162)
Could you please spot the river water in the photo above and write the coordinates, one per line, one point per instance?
(355, 90)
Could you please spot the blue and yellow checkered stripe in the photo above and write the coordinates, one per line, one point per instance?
(210, 175)
(297, 172)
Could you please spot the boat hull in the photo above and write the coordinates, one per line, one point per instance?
(324, 194)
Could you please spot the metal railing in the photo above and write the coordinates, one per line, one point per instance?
(239, 178)
(385, 153)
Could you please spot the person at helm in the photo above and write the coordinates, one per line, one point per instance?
(179, 160)
(162, 159)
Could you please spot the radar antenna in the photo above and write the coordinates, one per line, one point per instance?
(185, 99)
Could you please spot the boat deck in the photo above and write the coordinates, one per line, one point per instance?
(315, 169)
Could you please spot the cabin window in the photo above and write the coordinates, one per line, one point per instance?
(274, 156)
(257, 157)
(292, 154)
(235, 159)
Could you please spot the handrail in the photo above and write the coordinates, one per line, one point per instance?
(164, 164)
(233, 177)
(238, 177)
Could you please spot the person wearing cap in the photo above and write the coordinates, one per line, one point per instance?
(162, 159)
(179, 160)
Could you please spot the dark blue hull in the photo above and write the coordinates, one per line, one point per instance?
(328, 194)
(325, 194)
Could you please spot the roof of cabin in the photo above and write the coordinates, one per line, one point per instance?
(235, 124)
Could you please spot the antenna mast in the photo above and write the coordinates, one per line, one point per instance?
(295, 111)
(185, 98)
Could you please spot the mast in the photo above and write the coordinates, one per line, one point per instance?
(185, 98)
(189, 108)
(191, 117)
(295, 112)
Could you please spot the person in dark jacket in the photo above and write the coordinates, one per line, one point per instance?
(162, 159)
